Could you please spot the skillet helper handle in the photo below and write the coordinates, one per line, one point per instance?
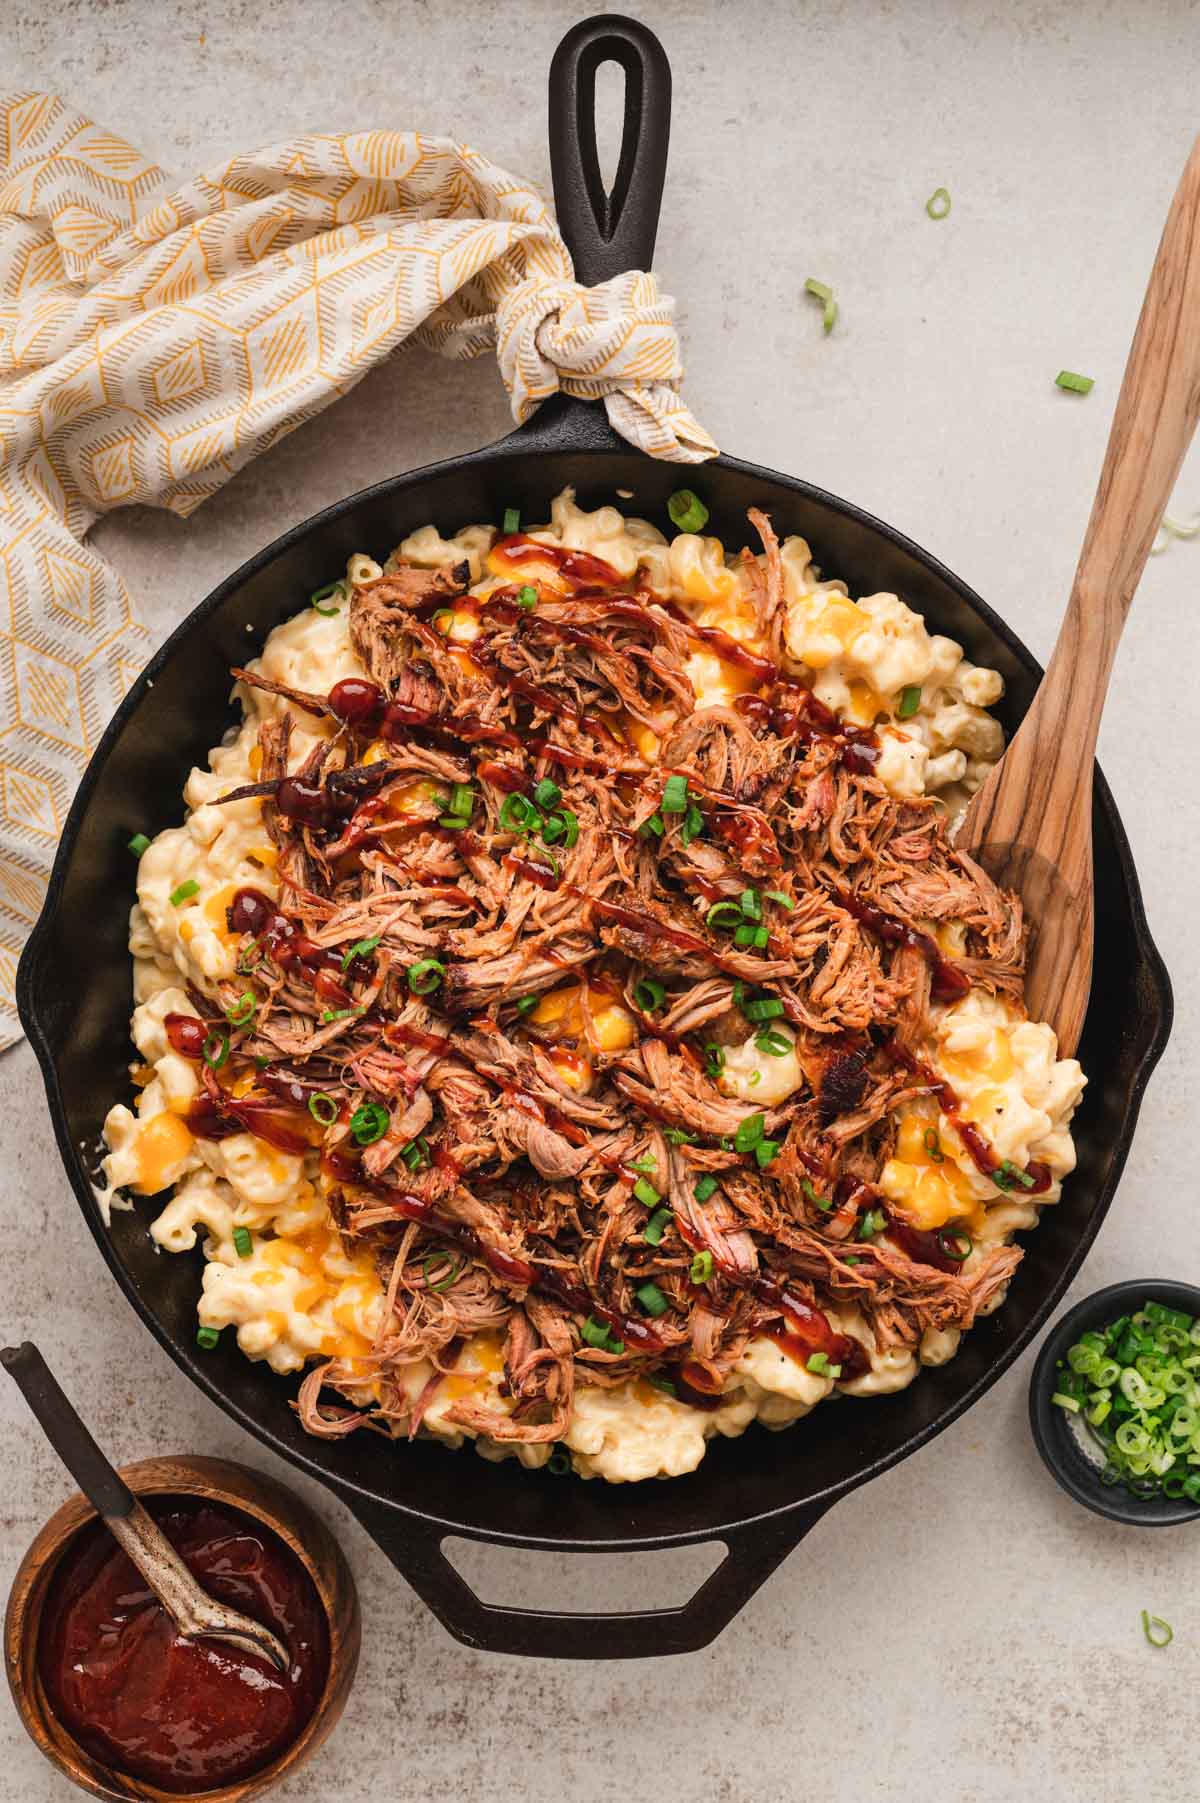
(607, 234)
(104, 1487)
(751, 1555)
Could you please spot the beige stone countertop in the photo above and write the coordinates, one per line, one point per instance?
(958, 1628)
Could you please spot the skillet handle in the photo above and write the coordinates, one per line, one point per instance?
(751, 1555)
(607, 234)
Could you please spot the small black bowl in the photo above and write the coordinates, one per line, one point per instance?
(1053, 1432)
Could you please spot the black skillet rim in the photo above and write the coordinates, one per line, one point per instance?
(1052, 1432)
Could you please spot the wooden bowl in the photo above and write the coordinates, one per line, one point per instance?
(213, 1480)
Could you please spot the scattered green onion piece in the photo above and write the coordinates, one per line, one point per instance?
(750, 904)
(571, 823)
(933, 1145)
(744, 933)
(559, 1463)
(184, 892)
(824, 1203)
(693, 825)
(766, 1152)
(679, 1136)
(1155, 1622)
(852, 1259)
(338, 1014)
(425, 975)
(1066, 378)
(723, 914)
(323, 594)
(750, 1131)
(753, 1078)
(323, 1107)
(462, 800)
(873, 1222)
(772, 1044)
(416, 1154)
(656, 1226)
(138, 844)
(362, 948)
(705, 1187)
(817, 1363)
(553, 828)
(1007, 1173)
(436, 618)
(652, 824)
(665, 1385)
(938, 204)
(649, 995)
(512, 521)
(777, 895)
(528, 598)
(701, 1268)
(714, 1060)
(687, 511)
(528, 1003)
(958, 1246)
(648, 1163)
(645, 1193)
(207, 1337)
(675, 795)
(369, 1123)
(547, 793)
(768, 1008)
(829, 307)
(433, 1262)
(910, 701)
(216, 1049)
(652, 1299)
(243, 1244)
(518, 814)
(243, 1010)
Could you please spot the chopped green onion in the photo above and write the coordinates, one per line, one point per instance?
(462, 800)
(777, 895)
(215, 1049)
(1065, 1402)
(723, 914)
(766, 1152)
(512, 521)
(818, 1363)
(772, 1044)
(416, 1154)
(571, 821)
(184, 892)
(693, 825)
(910, 701)
(938, 204)
(547, 794)
(824, 294)
(649, 995)
(705, 1187)
(528, 597)
(750, 904)
(873, 1222)
(769, 1008)
(243, 1244)
(744, 934)
(824, 1203)
(958, 1246)
(207, 1337)
(1163, 1633)
(933, 1145)
(750, 1132)
(369, 1123)
(434, 1262)
(528, 1003)
(1066, 378)
(674, 795)
(338, 1014)
(138, 844)
(656, 1226)
(664, 1384)
(323, 1107)
(688, 512)
(243, 1010)
(323, 594)
(425, 975)
(648, 1163)
(645, 1193)
(652, 1299)
(852, 1259)
(436, 618)
(1007, 1173)
(553, 828)
(701, 1268)
(362, 948)
(518, 814)
(679, 1136)
(595, 1333)
(714, 1060)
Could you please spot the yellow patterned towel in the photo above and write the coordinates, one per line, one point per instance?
(152, 340)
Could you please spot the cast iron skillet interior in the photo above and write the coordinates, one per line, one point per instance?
(761, 1493)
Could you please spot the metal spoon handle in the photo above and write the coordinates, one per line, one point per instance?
(104, 1487)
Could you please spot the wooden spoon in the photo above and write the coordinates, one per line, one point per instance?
(1030, 825)
(196, 1614)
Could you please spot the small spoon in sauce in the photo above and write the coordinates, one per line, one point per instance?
(1030, 825)
(196, 1614)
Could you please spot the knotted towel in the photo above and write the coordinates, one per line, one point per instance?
(152, 341)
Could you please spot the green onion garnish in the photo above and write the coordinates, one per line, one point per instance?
(462, 800)
(528, 598)
(571, 820)
(652, 1299)
(648, 1163)
(425, 975)
(323, 594)
(207, 1337)
(649, 995)
(656, 1226)
(769, 1008)
(766, 1152)
(595, 1333)
(933, 1145)
(674, 795)
(184, 892)
(338, 1014)
(1066, 378)
(138, 844)
(910, 701)
(362, 948)
(714, 1060)
(873, 1222)
(323, 1107)
(1007, 1173)
(772, 1044)
(723, 914)
(679, 1136)
(440, 614)
(1071, 1403)
(518, 814)
(652, 824)
(824, 1203)
(527, 1004)
(243, 1245)
(645, 1193)
(369, 1123)
(450, 1277)
(829, 307)
(701, 1268)
(512, 521)
(751, 905)
(750, 1132)
(688, 512)
(547, 794)
(706, 1186)
(744, 934)
(777, 895)
(693, 825)
(559, 1463)
(938, 204)
(243, 1010)
(958, 1246)
(1163, 1633)
(664, 1384)
(818, 1363)
(216, 1049)
(1136, 1385)
(416, 1154)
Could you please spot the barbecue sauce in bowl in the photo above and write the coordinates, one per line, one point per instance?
(187, 1716)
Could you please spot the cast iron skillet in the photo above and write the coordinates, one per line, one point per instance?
(762, 1493)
